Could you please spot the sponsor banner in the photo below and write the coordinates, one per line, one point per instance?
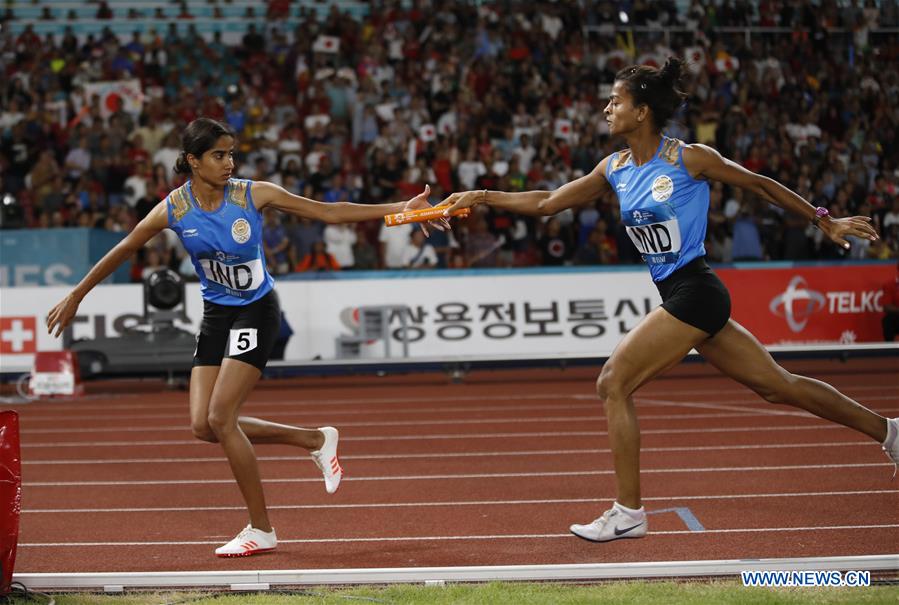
(528, 313)
(514, 314)
(810, 305)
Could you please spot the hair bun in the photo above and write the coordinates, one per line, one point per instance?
(672, 70)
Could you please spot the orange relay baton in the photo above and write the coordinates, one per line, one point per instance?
(420, 216)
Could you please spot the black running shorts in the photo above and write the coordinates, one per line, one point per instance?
(244, 332)
(696, 296)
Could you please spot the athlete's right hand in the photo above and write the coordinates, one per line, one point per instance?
(61, 315)
(462, 199)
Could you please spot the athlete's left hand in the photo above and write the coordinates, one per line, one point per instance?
(838, 228)
(421, 201)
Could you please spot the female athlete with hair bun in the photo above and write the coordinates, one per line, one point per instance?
(662, 187)
(219, 220)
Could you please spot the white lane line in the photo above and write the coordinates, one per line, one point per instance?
(722, 469)
(51, 406)
(476, 537)
(728, 412)
(325, 402)
(426, 437)
(183, 427)
(191, 509)
(747, 396)
(300, 418)
(447, 455)
(731, 408)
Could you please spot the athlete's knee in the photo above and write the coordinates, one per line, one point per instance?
(610, 387)
(221, 422)
(203, 431)
(779, 389)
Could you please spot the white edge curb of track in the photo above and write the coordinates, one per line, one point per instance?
(572, 572)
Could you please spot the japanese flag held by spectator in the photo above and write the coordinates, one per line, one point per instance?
(694, 57)
(562, 129)
(126, 95)
(326, 44)
(427, 132)
(727, 63)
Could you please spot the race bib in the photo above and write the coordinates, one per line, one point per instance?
(233, 276)
(655, 233)
(242, 340)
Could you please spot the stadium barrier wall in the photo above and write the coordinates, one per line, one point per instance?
(538, 312)
(53, 257)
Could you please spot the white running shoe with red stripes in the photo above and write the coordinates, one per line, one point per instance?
(250, 541)
(326, 459)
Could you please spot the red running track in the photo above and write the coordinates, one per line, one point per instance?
(487, 472)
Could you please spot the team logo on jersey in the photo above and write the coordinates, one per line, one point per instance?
(662, 188)
(240, 230)
(642, 217)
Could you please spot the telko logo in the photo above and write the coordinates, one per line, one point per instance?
(797, 303)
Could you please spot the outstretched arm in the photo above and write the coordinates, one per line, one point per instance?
(537, 203)
(269, 194)
(702, 161)
(61, 315)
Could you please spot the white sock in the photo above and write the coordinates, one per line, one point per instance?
(891, 434)
(633, 512)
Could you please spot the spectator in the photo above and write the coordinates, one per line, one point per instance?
(365, 256)
(318, 259)
(814, 126)
(556, 246)
(302, 233)
(747, 243)
(103, 11)
(481, 245)
(78, 160)
(419, 254)
(275, 243)
(393, 242)
(339, 240)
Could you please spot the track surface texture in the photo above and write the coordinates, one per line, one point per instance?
(487, 471)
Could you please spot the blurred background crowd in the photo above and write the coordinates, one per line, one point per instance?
(460, 95)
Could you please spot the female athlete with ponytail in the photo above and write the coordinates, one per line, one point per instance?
(662, 187)
(219, 220)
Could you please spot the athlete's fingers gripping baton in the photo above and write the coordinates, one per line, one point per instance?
(422, 215)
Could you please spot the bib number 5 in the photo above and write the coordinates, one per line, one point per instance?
(242, 341)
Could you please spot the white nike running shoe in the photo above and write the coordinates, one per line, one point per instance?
(250, 541)
(613, 525)
(326, 459)
(891, 443)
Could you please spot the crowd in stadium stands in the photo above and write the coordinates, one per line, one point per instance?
(504, 95)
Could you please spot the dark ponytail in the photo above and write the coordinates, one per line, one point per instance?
(656, 88)
(181, 165)
(199, 137)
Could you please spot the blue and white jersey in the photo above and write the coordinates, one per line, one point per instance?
(664, 209)
(225, 245)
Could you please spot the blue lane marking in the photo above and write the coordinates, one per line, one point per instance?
(685, 514)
